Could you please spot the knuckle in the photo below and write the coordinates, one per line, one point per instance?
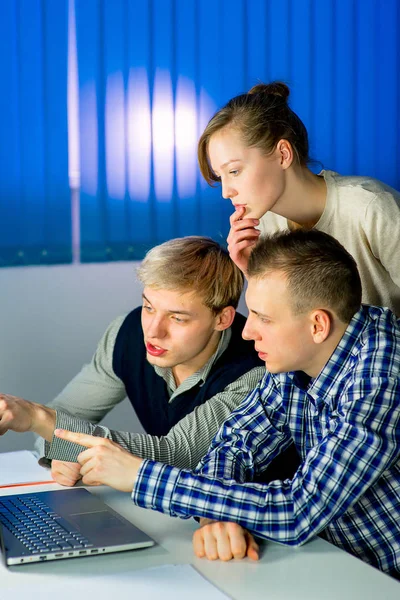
(212, 555)
(225, 557)
(219, 526)
(6, 417)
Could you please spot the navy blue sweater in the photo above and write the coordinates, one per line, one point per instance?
(147, 391)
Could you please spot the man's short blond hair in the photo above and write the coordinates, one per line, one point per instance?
(194, 264)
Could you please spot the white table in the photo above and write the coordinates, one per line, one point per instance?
(316, 571)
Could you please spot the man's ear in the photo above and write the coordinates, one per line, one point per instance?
(321, 325)
(224, 319)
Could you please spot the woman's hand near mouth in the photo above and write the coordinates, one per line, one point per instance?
(243, 235)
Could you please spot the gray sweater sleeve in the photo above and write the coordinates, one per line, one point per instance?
(185, 444)
(96, 389)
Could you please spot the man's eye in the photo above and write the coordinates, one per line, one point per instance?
(146, 307)
(179, 320)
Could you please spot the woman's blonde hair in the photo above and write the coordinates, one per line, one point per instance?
(194, 264)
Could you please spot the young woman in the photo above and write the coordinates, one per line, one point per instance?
(257, 148)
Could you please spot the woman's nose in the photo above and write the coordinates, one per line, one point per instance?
(227, 191)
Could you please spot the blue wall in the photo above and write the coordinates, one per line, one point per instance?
(151, 74)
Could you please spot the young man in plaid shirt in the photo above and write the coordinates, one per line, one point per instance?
(332, 386)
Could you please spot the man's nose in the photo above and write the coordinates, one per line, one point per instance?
(156, 328)
(250, 329)
(247, 331)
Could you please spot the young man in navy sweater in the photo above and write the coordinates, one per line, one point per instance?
(180, 358)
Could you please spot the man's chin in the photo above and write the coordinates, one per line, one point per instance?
(158, 361)
(274, 369)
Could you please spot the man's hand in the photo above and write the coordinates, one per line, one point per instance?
(65, 473)
(242, 237)
(105, 462)
(217, 539)
(17, 414)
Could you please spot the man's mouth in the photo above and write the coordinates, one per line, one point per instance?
(155, 350)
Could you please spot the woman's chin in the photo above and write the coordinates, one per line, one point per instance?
(254, 213)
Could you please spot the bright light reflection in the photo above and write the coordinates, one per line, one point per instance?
(115, 136)
(73, 102)
(163, 135)
(186, 137)
(139, 135)
(89, 139)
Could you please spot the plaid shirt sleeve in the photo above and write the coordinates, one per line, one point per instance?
(360, 440)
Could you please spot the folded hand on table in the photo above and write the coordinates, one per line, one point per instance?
(224, 540)
(65, 473)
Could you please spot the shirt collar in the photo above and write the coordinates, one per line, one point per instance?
(324, 387)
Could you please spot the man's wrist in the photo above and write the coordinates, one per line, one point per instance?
(43, 421)
(206, 521)
(137, 464)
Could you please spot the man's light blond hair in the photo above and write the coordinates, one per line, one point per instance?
(194, 264)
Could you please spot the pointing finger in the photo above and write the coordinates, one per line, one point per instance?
(79, 438)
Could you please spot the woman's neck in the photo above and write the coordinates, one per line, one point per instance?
(304, 199)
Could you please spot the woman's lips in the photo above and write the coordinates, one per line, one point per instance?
(154, 350)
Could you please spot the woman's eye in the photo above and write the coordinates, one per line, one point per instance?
(234, 172)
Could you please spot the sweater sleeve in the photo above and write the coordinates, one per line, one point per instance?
(185, 444)
(382, 223)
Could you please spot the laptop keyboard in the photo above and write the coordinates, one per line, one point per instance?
(38, 527)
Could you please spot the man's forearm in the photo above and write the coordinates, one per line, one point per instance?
(20, 415)
(44, 421)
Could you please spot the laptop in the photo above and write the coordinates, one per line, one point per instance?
(60, 524)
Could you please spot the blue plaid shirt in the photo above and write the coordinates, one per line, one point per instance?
(345, 424)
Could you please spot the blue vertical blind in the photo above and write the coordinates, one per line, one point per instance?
(149, 80)
(150, 75)
(35, 214)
